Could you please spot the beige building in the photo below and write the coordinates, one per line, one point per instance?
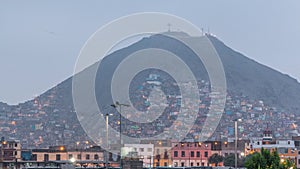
(162, 152)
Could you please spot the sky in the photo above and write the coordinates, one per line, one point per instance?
(41, 40)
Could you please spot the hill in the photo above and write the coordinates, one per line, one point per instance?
(255, 92)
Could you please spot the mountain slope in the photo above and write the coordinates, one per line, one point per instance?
(256, 80)
(51, 116)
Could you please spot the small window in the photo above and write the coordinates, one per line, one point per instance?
(198, 164)
(192, 154)
(96, 157)
(175, 153)
(79, 156)
(182, 153)
(198, 153)
(205, 154)
(58, 157)
(70, 156)
(149, 149)
(192, 164)
(141, 149)
(182, 164)
(46, 157)
(165, 164)
(87, 156)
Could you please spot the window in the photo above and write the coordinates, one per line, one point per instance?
(58, 157)
(96, 157)
(297, 143)
(70, 156)
(149, 149)
(192, 154)
(198, 153)
(192, 164)
(165, 164)
(205, 154)
(141, 149)
(46, 157)
(87, 156)
(79, 156)
(198, 164)
(182, 164)
(175, 153)
(34, 157)
(182, 153)
(298, 161)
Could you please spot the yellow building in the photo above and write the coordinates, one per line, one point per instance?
(162, 152)
(87, 157)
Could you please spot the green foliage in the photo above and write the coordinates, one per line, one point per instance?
(215, 159)
(267, 160)
(229, 161)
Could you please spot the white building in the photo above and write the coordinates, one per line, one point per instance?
(285, 148)
(142, 151)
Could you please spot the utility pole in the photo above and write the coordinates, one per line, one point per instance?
(117, 104)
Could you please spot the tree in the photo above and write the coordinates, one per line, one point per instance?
(229, 161)
(256, 161)
(215, 159)
(287, 164)
(267, 160)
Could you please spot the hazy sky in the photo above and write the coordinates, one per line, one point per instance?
(40, 40)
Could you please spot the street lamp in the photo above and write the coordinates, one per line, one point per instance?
(106, 166)
(236, 140)
(117, 104)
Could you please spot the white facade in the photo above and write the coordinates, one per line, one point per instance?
(142, 151)
(257, 144)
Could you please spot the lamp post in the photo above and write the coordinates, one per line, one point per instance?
(117, 104)
(236, 141)
(106, 118)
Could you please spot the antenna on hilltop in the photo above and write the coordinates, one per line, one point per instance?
(169, 27)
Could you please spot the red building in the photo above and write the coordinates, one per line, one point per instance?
(188, 154)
